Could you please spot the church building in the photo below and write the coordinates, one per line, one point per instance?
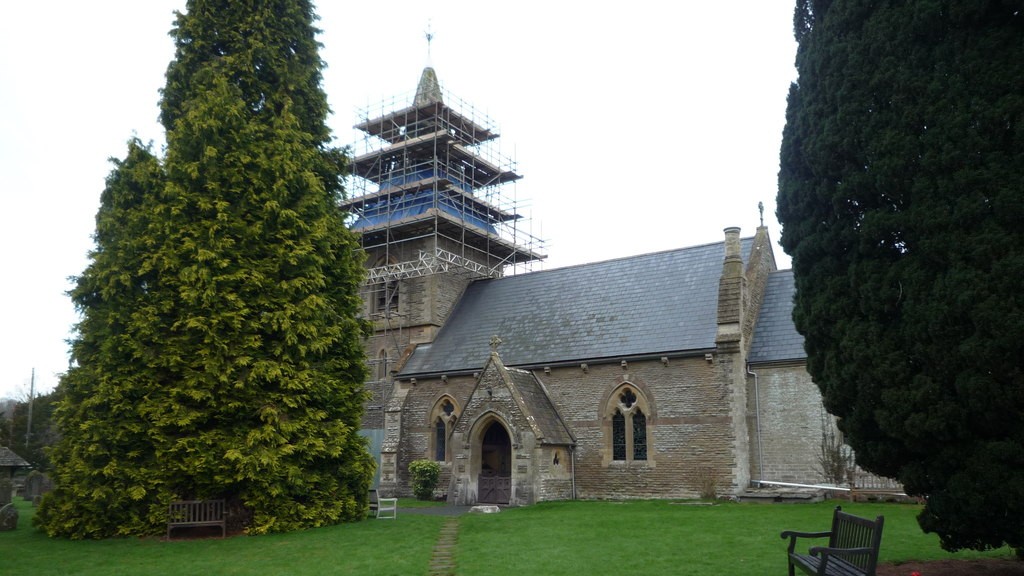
(677, 374)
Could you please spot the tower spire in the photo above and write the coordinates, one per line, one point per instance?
(429, 89)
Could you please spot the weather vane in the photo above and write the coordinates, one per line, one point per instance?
(430, 37)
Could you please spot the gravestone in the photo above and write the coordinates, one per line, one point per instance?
(8, 518)
(37, 484)
(6, 491)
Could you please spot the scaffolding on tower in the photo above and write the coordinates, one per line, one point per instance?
(428, 166)
(431, 193)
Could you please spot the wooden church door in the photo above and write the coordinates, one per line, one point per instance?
(495, 480)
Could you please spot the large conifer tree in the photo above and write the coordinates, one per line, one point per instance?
(901, 193)
(219, 354)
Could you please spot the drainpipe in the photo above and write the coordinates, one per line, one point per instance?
(572, 454)
(757, 424)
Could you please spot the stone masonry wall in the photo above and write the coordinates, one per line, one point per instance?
(791, 416)
(689, 428)
(448, 289)
(732, 367)
(554, 470)
(424, 304)
(417, 431)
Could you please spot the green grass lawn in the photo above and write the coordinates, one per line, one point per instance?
(660, 537)
(644, 537)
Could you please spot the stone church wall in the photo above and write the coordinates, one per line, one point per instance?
(791, 424)
(554, 469)
(417, 432)
(690, 431)
(424, 304)
(449, 289)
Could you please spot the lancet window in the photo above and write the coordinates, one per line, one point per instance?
(628, 415)
(442, 422)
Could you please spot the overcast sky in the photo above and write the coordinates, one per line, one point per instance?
(638, 126)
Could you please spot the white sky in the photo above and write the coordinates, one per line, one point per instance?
(638, 126)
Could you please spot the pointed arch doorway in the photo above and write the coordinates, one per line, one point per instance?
(494, 480)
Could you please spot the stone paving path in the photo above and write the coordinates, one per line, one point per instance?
(442, 563)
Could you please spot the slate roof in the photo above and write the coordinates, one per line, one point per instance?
(8, 459)
(539, 408)
(775, 336)
(648, 304)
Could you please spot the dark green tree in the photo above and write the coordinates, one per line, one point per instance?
(902, 200)
(220, 354)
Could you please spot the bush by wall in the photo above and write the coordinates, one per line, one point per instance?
(425, 475)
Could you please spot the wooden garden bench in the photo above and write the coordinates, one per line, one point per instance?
(852, 549)
(190, 513)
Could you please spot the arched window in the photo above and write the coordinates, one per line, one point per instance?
(628, 414)
(618, 436)
(442, 422)
(639, 435)
(440, 440)
(382, 365)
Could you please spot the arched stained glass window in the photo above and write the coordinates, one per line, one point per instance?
(628, 410)
(443, 419)
(618, 436)
(440, 438)
(639, 436)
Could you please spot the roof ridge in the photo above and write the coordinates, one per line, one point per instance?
(629, 257)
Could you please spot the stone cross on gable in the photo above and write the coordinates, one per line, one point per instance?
(495, 342)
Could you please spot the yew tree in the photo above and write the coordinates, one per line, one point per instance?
(219, 354)
(901, 194)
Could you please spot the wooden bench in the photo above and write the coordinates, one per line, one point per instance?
(192, 513)
(852, 549)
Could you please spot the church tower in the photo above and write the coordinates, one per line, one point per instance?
(434, 204)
